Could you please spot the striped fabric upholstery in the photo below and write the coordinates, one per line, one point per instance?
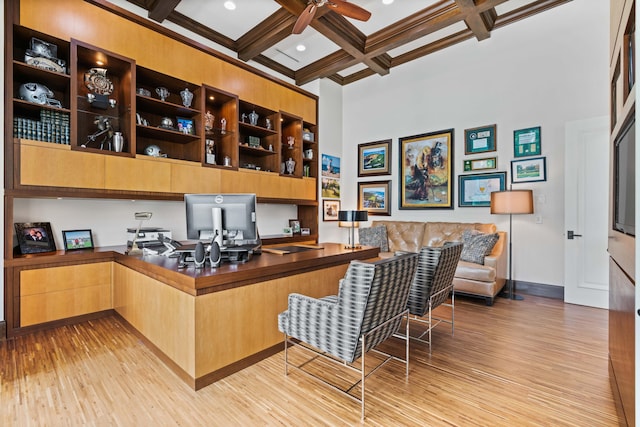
(369, 294)
(436, 267)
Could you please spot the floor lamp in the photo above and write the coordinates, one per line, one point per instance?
(352, 218)
(512, 202)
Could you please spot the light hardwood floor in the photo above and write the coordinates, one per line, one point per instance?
(533, 362)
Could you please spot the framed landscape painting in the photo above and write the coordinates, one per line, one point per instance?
(374, 197)
(426, 171)
(374, 158)
(529, 170)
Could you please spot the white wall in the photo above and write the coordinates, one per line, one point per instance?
(545, 71)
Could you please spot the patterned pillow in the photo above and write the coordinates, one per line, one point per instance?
(374, 236)
(477, 245)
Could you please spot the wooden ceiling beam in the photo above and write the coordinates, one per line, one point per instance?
(475, 21)
(161, 9)
(269, 32)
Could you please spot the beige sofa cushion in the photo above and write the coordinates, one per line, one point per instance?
(472, 271)
(436, 233)
(403, 235)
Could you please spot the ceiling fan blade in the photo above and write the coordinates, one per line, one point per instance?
(349, 10)
(305, 18)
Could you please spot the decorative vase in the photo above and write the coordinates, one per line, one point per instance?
(291, 166)
(187, 97)
(118, 142)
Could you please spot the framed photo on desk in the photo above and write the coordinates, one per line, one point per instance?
(35, 237)
(77, 239)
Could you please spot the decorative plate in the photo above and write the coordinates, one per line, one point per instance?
(97, 82)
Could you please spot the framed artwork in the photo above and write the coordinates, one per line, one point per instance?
(526, 142)
(374, 158)
(529, 170)
(426, 171)
(480, 164)
(77, 239)
(295, 226)
(475, 190)
(375, 197)
(480, 140)
(35, 237)
(186, 126)
(330, 166)
(330, 188)
(330, 210)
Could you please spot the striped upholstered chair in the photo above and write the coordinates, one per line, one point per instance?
(369, 308)
(432, 285)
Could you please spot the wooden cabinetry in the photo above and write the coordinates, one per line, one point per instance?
(164, 119)
(101, 99)
(258, 142)
(48, 294)
(220, 117)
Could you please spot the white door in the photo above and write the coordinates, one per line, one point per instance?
(586, 207)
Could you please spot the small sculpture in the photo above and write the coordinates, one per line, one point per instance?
(187, 97)
(223, 125)
(291, 141)
(253, 118)
(267, 123)
(209, 119)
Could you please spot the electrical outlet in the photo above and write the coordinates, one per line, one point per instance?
(538, 219)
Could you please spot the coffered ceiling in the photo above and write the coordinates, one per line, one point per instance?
(342, 49)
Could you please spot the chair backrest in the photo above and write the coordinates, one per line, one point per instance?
(436, 268)
(369, 295)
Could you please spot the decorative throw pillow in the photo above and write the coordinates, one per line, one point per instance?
(374, 236)
(477, 245)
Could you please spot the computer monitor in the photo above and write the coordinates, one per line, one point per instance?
(236, 215)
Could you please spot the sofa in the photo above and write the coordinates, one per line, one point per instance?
(484, 279)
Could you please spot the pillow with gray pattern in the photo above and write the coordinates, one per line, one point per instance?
(477, 245)
(374, 236)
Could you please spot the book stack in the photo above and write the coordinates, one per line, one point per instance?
(53, 126)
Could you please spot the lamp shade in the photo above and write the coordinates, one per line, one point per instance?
(512, 202)
(354, 216)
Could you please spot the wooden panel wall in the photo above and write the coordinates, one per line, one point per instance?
(77, 19)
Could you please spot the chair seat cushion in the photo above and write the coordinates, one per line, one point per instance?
(473, 271)
(477, 245)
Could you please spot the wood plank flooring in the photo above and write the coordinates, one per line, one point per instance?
(536, 362)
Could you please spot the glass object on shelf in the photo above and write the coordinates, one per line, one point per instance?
(291, 141)
(162, 92)
(187, 97)
(223, 125)
(290, 165)
(209, 120)
(253, 118)
(267, 123)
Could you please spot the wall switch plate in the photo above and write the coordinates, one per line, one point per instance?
(538, 219)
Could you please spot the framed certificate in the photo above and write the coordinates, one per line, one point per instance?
(526, 142)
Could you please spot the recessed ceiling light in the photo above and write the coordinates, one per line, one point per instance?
(387, 1)
(301, 48)
(229, 5)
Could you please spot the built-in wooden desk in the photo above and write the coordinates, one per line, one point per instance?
(204, 323)
(208, 323)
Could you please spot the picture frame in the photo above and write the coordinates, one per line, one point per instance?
(186, 125)
(74, 240)
(527, 142)
(374, 158)
(529, 170)
(480, 139)
(480, 164)
(35, 237)
(426, 170)
(330, 166)
(295, 226)
(330, 188)
(474, 190)
(375, 197)
(330, 210)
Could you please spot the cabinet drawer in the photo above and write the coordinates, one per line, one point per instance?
(60, 292)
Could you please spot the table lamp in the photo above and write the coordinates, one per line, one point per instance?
(141, 216)
(512, 202)
(351, 219)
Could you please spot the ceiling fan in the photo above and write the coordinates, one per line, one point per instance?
(342, 7)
